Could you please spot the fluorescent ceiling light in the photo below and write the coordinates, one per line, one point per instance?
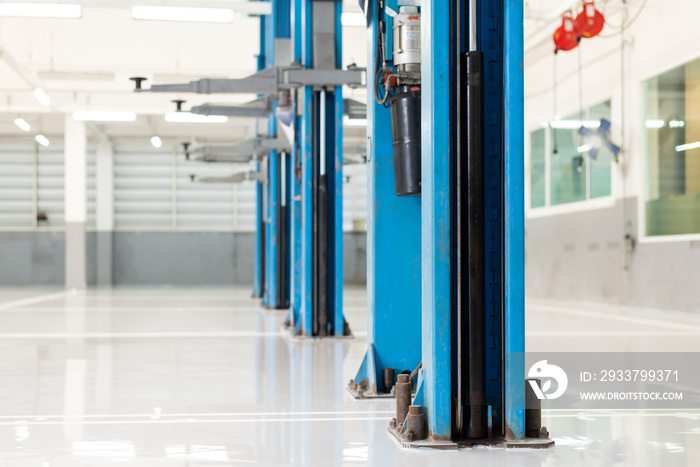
(584, 148)
(41, 10)
(41, 95)
(22, 124)
(173, 13)
(43, 140)
(655, 124)
(353, 19)
(156, 142)
(104, 115)
(354, 121)
(676, 124)
(187, 117)
(687, 147)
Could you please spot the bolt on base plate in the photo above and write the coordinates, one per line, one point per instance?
(359, 391)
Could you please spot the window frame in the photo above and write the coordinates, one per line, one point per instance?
(643, 172)
(548, 209)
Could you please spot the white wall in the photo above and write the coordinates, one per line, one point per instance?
(663, 37)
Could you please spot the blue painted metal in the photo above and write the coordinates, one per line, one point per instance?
(270, 299)
(277, 25)
(295, 183)
(260, 245)
(393, 251)
(335, 189)
(306, 146)
(514, 189)
(436, 217)
(308, 136)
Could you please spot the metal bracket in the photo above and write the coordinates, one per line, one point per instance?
(259, 108)
(237, 178)
(243, 152)
(268, 81)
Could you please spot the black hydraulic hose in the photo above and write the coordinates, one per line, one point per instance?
(475, 401)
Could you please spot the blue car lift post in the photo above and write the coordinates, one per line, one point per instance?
(471, 390)
(318, 175)
(393, 246)
(313, 88)
(274, 29)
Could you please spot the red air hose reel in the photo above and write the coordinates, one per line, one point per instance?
(587, 24)
(590, 21)
(566, 36)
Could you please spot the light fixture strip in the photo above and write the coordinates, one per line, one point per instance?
(188, 14)
(43, 140)
(41, 10)
(22, 124)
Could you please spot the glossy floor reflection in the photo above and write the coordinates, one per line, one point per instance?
(200, 377)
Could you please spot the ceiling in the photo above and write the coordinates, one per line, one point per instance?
(85, 64)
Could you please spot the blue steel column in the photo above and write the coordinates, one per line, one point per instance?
(436, 217)
(393, 250)
(306, 144)
(514, 186)
(276, 26)
(260, 245)
(309, 124)
(336, 189)
(295, 184)
(273, 196)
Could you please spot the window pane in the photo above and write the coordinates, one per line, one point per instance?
(600, 171)
(537, 168)
(568, 166)
(672, 121)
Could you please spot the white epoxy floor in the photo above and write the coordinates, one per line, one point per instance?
(204, 377)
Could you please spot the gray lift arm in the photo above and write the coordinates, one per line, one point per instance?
(268, 81)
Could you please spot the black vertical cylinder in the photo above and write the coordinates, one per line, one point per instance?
(322, 255)
(406, 135)
(263, 245)
(389, 377)
(476, 410)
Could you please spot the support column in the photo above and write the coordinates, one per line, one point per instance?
(436, 218)
(104, 181)
(393, 250)
(75, 203)
(514, 231)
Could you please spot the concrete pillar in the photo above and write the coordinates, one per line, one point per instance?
(75, 203)
(104, 189)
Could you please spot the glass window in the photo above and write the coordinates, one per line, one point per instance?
(573, 175)
(568, 166)
(600, 167)
(537, 171)
(672, 121)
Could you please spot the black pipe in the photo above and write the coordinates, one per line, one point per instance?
(476, 414)
(388, 378)
(322, 264)
(282, 238)
(263, 246)
(315, 156)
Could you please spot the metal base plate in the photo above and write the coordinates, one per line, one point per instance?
(289, 334)
(423, 443)
(360, 394)
(527, 443)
